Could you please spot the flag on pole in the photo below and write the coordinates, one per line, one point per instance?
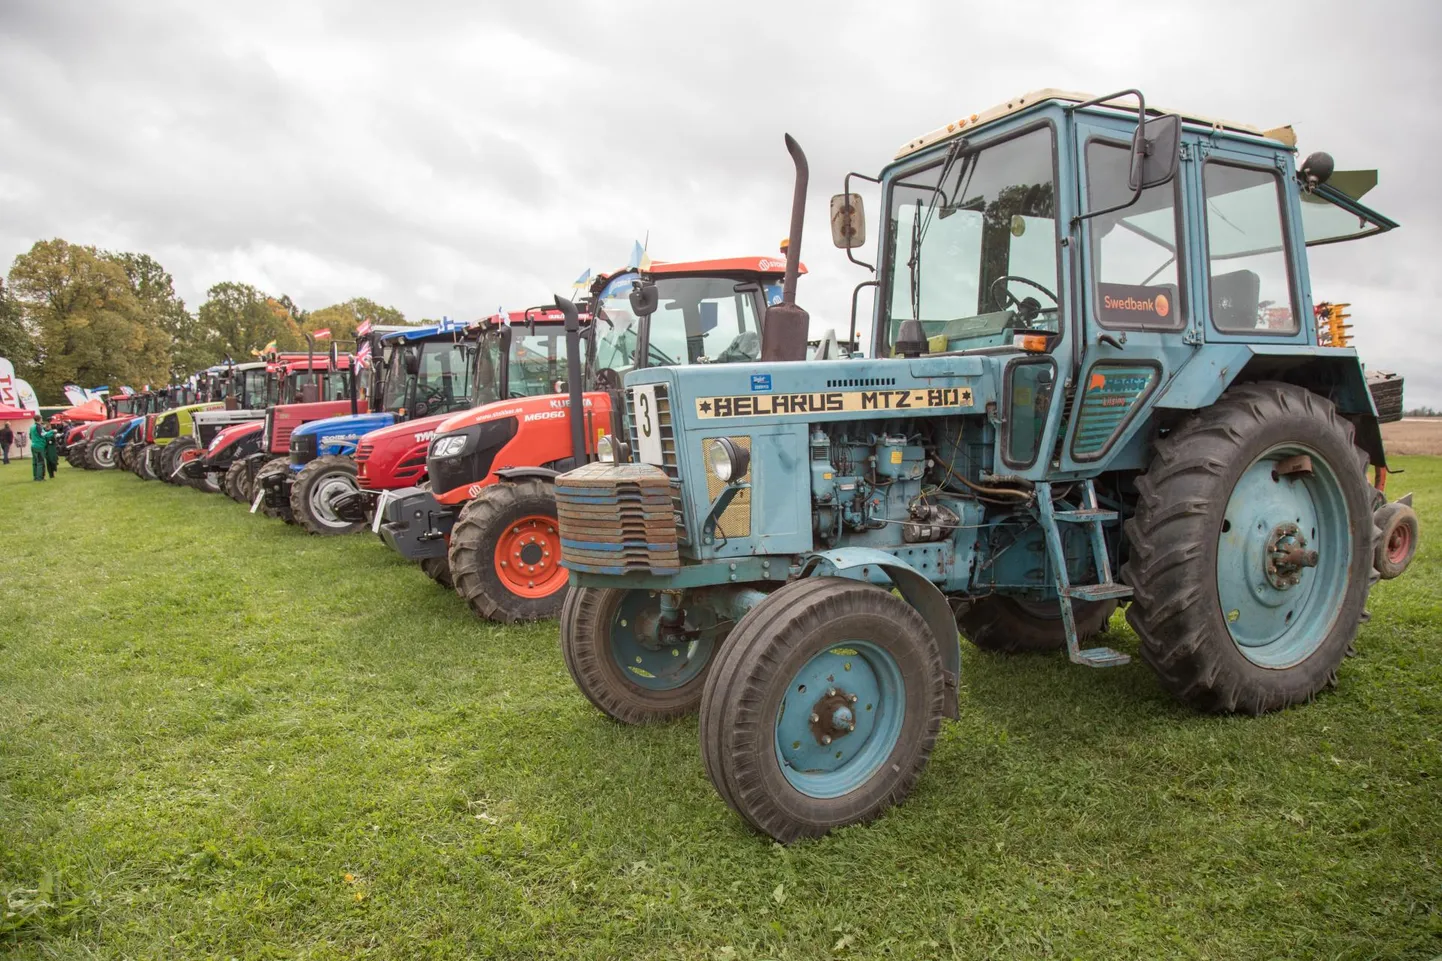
(322, 334)
(267, 349)
(364, 328)
(582, 280)
(363, 355)
(638, 254)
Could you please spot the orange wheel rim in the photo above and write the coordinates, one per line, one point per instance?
(1398, 544)
(528, 557)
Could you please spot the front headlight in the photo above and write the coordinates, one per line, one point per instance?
(606, 450)
(728, 461)
(448, 446)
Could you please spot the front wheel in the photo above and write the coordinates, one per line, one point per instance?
(100, 454)
(314, 492)
(505, 553)
(613, 649)
(237, 482)
(1251, 550)
(438, 569)
(273, 467)
(168, 463)
(822, 708)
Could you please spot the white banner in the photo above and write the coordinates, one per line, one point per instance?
(15, 392)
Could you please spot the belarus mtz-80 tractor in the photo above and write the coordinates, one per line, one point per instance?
(420, 372)
(487, 523)
(1094, 352)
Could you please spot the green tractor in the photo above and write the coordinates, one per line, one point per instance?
(1095, 380)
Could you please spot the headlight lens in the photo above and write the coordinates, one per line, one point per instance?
(728, 461)
(448, 446)
(606, 450)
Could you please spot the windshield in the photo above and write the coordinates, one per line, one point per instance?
(971, 245)
(538, 360)
(334, 385)
(699, 320)
(442, 382)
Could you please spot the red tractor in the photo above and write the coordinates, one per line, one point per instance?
(486, 524)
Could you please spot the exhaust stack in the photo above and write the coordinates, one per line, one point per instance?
(783, 335)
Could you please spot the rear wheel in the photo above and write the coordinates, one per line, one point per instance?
(822, 709)
(438, 569)
(314, 489)
(623, 669)
(236, 482)
(1009, 625)
(145, 462)
(100, 454)
(1251, 550)
(273, 467)
(505, 553)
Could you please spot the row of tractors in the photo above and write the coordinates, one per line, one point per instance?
(1095, 380)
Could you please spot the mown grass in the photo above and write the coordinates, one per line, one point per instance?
(222, 738)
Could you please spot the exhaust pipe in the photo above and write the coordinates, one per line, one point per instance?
(783, 335)
(573, 381)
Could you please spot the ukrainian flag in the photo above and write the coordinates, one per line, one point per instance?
(640, 259)
(582, 280)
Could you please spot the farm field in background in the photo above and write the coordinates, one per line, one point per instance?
(222, 738)
(1413, 435)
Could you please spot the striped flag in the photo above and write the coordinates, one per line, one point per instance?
(364, 328)
(322, 334)
(582, 280)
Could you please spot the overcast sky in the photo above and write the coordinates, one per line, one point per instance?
(449, 158)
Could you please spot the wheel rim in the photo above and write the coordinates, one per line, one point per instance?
(645, 661)
(528, 555)
(857, 696)
(1399, 544)
(323, 494)
(1279, 600)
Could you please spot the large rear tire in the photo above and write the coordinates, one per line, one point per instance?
(236, 482)
(170, 458)
(1251, 550)
(438, 569)
(100, 454)
(313, 489)
(1008, 625)
(822, 709)
(277, 465)
(505, 553)
(145, 462)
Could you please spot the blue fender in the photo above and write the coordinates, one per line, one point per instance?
(879, 567)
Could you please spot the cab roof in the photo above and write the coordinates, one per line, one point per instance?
(1029, 100)
(408, 334)
(768, 264)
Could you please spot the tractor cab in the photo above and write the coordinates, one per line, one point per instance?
(1097, 377)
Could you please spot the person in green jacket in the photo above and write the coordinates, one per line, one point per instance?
(52, 450)
(38, 445)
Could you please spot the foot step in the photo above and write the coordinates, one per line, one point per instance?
(1102, 657)
(1098, 592)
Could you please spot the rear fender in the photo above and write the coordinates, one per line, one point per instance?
(878, 567)
(526, 473)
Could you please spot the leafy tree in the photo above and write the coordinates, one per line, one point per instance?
(91, 327)
(17, 343)
(191, 347)
(238, 319)
(342, 319)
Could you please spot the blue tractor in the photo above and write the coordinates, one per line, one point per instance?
(417, 372)
(1095, 380)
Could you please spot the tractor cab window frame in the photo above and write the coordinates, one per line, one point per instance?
(1243, 293)
(998, 240)
(1014, 453)
(1138, 302)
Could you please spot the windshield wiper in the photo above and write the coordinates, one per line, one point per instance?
(919, 226)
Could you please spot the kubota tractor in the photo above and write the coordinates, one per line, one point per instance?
(1094, 354)
(490, 507)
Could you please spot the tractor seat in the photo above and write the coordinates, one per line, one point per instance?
(1235, 299)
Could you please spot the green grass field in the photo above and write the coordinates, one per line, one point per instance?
(222, 738)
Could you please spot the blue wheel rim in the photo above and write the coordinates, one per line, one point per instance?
(854, 682)
(1278, 617)
(655, 667)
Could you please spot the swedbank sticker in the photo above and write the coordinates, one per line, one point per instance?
(831, 402)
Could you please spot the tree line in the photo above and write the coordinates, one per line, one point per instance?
(75, 314)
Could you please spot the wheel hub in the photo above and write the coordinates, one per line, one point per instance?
(832, 716)
(1287, 556)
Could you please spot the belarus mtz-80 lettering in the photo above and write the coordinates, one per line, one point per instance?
(487, 523)
(1094, 354)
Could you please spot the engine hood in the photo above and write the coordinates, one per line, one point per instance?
(416, 431)
(356, 424)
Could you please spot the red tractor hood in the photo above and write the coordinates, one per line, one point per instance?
(395, 456)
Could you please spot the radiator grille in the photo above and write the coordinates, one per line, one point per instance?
(363, 451)
(617, 519)
(735, 520)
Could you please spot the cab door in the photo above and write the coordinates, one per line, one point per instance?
(1137, 313)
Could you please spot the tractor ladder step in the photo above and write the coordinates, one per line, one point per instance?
(1101, 657)
(1098, 592)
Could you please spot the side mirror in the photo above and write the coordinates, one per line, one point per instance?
(1156, 152)
(848, 221)
(413, 361)
(645, 300)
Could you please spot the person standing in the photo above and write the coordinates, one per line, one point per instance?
(52, 451)
(37, 449)
(7, 437)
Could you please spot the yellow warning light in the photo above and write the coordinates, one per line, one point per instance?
(1032, 343)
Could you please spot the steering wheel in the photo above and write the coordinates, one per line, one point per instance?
(608, 379)
(431, 395)
(1005, 299)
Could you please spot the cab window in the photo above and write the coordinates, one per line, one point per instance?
(1134, 251)
(1251, 284)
